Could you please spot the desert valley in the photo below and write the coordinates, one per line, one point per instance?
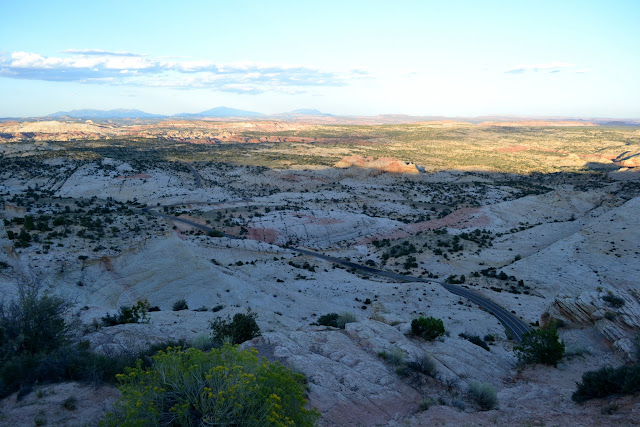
(334, 234)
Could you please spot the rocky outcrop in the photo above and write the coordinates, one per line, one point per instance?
(55, 130)
(11, 211)
(383, 164)
(628, 161)
(617, 323)
(348, 385)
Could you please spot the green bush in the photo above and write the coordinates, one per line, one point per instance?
(71, 363)
(330, 319)
(68, 363)
(475, 339)
(345, 318)
(613, 300)
(425, 365)
(32, 323)
(608, 381)
(484, 394)
(242, 328)
(428, 328)
(215, 233)
(179, 305)
(336, 320)
(35, 348)
(541, 346)
(202, 341)
(226, 386)
(70, 403)
(395, 356)
(135, 314)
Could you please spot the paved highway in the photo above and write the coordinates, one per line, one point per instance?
(516, 326)
(195, 173)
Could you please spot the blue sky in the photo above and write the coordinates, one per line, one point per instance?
(454, 58)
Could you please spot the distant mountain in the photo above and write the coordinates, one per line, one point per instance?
(221, 112)
(308, 112)
(119, 113)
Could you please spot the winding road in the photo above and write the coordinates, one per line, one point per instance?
(513, 324)
(195, 173)
(516, 326)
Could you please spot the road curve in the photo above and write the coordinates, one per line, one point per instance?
(195, 173)
(516, 326)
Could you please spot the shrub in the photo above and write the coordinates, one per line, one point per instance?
(428, 328)
(425, 365)
(242, 328)
(608, 381)
(484, 394)
(33, 323)
(541, 346)
(330, 319)
(68, 363)
(179, 305)
(613, 300)
(426, 403)
(226, 386)
(394, 356)
(40, 420)
(336, 320)
(215, 233)
(202, 341)
(70, 403)
(475, 339)
(345, 318)
(135, 314)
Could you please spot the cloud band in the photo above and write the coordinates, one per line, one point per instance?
(127, 68)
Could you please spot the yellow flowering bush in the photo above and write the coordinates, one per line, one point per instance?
(226, 386)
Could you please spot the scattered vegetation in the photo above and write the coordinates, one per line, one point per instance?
(345, 318)
(330, 319)
(475, 339)
(484, 394)
(70, 403)
(179, 305)
(336, 320)
(541, 346)
(137, 313)
(203, 341)
(395, 356)
(33, 323)
(242, 328)
(428, 328)
(226, 386)
(424, 365)
(35, 346)
(613, 300)
(608, 381)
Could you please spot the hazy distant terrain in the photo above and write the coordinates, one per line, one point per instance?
(541, 217)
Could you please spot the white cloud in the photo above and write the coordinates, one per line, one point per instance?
(101, 52)
(126, 68)
(551, 67)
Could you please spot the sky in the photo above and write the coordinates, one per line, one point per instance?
(348, 57)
